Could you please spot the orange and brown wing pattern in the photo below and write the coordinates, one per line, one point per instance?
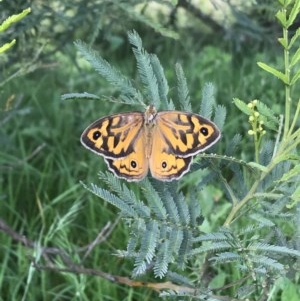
(133, 167)
(114, 136)
(186, 134)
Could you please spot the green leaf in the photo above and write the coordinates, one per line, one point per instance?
(6, 46)
(242, 106)
(295, 58)
(281, 16)
(295, 77)
(293, 14)
(290, 290)
(283, 42)
(13, 19)
(285, 3)
(266, 111)
(291, 173)
(219, 280)
(296, 195)
(273, 71)
(294, 37)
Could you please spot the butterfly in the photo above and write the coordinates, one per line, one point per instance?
(164, 142)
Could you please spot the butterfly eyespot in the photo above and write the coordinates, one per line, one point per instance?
(133, 164)
(204, 131)
(96, 135)
(164, 164)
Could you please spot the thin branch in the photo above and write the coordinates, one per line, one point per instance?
(102, 236)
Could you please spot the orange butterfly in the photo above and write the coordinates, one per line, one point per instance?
(164, 142)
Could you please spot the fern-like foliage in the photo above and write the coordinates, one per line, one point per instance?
(162, 229)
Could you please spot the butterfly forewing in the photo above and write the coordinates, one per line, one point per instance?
(186, 134)
(114, 136)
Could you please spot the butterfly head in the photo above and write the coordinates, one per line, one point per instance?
(150, 114)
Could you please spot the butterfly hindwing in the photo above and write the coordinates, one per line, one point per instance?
(133, 167)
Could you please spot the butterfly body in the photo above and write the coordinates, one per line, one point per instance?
(164, 142)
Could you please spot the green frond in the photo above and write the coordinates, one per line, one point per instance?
(175, 238)
(245, 290)
(116, 186)
(242, 106)
(178, 278)
(163, 259)
(154, 200)
(240, 184)
(268, 113)
(170, 206)
(251, 229)
(124, 193)
(266, 152)
(129, 94)
(214, 237)
(262, 219)
(268, 263)
(182, 207)
(211, 248)
(194, 209)
(132, 245)
(161, 229)
(208, 100)
(163, 87)
(149, 242)
(182, 89)
(267, 248)
(209, 177)
(83, 95)
(233, 145)
(144, 68)
(226, 257)
(112, 199)
(185, 248)
(220, 116)
(171, 105)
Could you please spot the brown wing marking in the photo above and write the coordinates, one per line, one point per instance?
(114, 136)
(186, 134)
(133, 167)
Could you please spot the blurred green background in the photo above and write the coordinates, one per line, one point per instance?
(41, 158)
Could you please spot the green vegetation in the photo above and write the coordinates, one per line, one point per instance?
(232, 222)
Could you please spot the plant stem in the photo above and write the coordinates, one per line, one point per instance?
(287, 86)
